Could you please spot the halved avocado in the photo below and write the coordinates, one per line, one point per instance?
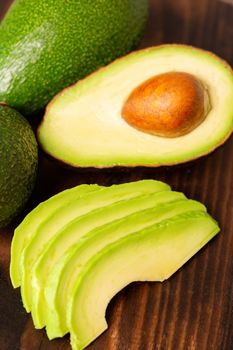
(70, 265)
(34, 219)
(153, 254)
(163, 105)
(79, 229)
(72, 210)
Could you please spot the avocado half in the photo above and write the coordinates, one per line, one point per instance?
(85, 126)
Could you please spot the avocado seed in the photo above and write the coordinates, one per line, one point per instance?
(169, 105)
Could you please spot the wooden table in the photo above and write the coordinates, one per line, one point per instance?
(194, 309)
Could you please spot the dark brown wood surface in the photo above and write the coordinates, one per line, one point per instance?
(193, 310)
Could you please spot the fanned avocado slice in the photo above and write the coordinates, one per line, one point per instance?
(159, 106)
(78, 230)
(34, 219)
(153, 254)
(69, 267)
(71, 211)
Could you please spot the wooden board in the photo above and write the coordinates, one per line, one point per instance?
(194, 309)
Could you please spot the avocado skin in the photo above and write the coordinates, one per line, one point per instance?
(18, 166)
(48, 45)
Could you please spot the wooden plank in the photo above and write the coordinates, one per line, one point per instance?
(194, 309)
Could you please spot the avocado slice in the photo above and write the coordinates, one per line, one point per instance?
(70, 265)
(153, 254)
(69, 212)
(18, 163)
(48, 45)
(25, 231)
(78, 230)
(99, 132)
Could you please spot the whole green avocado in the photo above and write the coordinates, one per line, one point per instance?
(47, 45)
(18, 163)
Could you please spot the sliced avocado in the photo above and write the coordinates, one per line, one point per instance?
(99, 132)
(153, 254)
(18, 163)
(47, 45)
(79, 229)
(69, 212)
(25, 231)
(70, 265)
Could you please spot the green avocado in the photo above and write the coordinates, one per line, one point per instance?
(18, 163)
(66, 272)
(25, 231)
(84, 125)
(47, 45)
(152, 254)
(65, 214)
(78, 230)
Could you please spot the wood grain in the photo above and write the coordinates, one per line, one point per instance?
(193, 310)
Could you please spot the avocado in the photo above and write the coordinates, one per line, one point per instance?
(159, 106)
(67, 270)
(32, 222)
(152, 254)
(78, 230)
(18, 165)
(50, 44)
(85, 244)
(69, 212)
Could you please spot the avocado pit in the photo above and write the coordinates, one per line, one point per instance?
(168, 105)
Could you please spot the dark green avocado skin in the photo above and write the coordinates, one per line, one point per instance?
(18, 163)
(47, 45)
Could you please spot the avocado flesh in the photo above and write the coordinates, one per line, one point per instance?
(18, 163)
(153, 254)
(67, 270)
(69, 212)
(83, 126)
(48, 45)
(80, 229)
(24, 232)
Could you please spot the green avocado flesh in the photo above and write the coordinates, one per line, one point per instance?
(69, 212)
(75, 251)
(153, 254)
(83, 125)
(25, 231)
(18, 163)
(47, 45)
(78, 229)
